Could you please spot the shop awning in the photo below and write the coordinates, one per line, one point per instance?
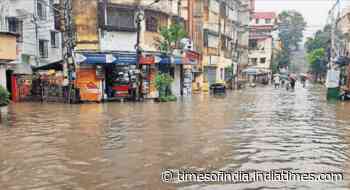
(342, 61)
(255, 71)
(58, 66)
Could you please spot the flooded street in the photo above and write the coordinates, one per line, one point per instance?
(126, 145)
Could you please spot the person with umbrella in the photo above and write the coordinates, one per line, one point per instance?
(292, 80)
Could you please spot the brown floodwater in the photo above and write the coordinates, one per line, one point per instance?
(116, 146)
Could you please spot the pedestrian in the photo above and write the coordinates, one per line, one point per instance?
(292, 82)
(277, 81)
(303, 81)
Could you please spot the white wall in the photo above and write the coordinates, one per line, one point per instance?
(118, 41)
(266, 53)
(3, 76)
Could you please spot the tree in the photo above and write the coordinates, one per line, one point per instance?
(170, 38)
(4, 97)
(321, 39)
(292, 25)
(280, 59)
(317, 61)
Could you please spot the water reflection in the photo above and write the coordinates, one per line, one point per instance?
(126, 145)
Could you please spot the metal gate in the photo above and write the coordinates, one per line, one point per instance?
(211, 75)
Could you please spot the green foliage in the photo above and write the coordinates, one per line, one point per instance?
(170, 37)
(4, 96)
(317, 61)
(292, 25)
(170, 98)
(229, 71)
(322, 39)
(281, 59)
(163, 82)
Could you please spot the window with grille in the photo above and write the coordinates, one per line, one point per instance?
(151, 23)
(15, 26)
(54, 39)
(41, 10)
(43, 48)
(121, 19)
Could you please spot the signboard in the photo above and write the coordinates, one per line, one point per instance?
(96, 58)
(147, 60)
(192, 58)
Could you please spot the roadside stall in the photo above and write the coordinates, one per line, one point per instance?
(49, 83)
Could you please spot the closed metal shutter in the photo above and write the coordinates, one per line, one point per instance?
(211, 75)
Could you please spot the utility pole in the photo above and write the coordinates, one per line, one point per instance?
(35, 22)
(68, 46)
(139, 81)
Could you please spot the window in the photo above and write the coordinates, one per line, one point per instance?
(253, 44)
(151, 24)
(51, 3)
(214, 6)
(213, 41)
(121, 19)
(268, 21)
(43, 48)
(254, 61)
(257, 21)
(15, 26)
(263, 60)
(54, 39)
(41, 10)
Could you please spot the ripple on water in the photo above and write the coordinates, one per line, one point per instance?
(125, 146)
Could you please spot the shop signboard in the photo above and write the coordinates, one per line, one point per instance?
(101, 58)
(147, 59)
(192, 58)
(165, 59)
(125, 59)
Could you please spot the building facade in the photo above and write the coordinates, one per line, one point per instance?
(39, 41)
(105, 52)
(220, 26)
(261, 40)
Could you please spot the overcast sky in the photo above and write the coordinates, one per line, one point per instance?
(315, 12)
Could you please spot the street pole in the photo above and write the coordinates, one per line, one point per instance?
(137, 94)
(139, 80)
(68, 43)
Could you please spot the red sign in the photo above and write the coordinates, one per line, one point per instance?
(147, 60)
(192, 57)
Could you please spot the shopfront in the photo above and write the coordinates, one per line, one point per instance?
(180, 67)
(106, 76)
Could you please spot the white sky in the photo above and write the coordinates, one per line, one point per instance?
(315, 12)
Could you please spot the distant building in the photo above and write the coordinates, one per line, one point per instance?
(261, 40)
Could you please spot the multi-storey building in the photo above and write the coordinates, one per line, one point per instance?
(261, 40)
(39, 41)
(246, 11)
(220, 35)
(106, 38)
